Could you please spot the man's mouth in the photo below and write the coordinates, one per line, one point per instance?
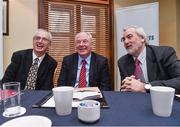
(39, 46)
(128, 46)
(82, 49)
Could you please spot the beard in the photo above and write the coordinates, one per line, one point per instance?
(133, 50)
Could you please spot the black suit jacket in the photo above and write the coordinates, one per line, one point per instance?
(21, 62)
(163, 67)
(98, 75)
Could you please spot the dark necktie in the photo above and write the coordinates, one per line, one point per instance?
(82, 76)
(32, 75)
(138, 73)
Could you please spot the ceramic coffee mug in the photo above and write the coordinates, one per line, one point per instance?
(162, 100)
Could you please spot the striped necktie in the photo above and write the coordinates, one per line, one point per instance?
(82, 76)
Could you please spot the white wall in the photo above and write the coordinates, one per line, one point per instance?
(23, 22)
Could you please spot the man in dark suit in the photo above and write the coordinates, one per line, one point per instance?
(22, 61)
(159, 64)
(97, 70)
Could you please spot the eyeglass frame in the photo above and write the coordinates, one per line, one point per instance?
(38, 38)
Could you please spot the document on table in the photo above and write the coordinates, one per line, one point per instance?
(50, 103)
(79, 94)
(177, 97)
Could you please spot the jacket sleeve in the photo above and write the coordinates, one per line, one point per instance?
(12, 69)
(105, 82)
(62, 80)
(48, 80)
(170, 66)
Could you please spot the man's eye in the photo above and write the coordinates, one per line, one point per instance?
(78, 41)
(129, 36)
(85, 41)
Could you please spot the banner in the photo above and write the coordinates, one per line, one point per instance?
(144, 15)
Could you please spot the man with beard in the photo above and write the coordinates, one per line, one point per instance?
(146, 65)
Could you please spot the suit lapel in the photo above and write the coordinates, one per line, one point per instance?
(26, 66)
(74, 68)
(42, 66)
(130, 65)
(91, 70)
(151, 64)
(28, 62)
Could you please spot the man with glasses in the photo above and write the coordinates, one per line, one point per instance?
(33, 68)
(85, 68)
(147, 65)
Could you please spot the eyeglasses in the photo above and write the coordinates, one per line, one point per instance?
(85, 41)
(38, 38)
(129, 37)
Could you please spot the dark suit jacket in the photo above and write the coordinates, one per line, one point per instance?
(163, 67)
(21, 62)
(98, 75)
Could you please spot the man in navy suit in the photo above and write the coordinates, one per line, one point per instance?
(159, 64)
(97, 70)
(21, 62)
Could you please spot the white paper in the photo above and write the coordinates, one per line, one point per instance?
(50, 103)
(178, 95)
(86, 95)
(77, 97)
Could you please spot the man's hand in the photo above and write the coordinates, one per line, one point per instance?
(133, 85)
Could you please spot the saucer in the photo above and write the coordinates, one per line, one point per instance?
(23, 110)
(28, 121)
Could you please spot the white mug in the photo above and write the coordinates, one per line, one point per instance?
(89, 111)
(162, 100)
(63, 97)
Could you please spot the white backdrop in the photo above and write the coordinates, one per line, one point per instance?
(144, 15)
(1, 39)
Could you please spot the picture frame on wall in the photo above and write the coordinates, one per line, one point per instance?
(5, 17)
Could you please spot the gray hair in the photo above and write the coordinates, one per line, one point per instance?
(87, 33)
(139, 30)
(49, 33)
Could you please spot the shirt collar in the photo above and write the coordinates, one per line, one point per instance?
(87, 59)
(142, 56)
(40, 58)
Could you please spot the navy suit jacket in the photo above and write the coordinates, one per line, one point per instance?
(98, 74)
(21, 62)
(163, 67)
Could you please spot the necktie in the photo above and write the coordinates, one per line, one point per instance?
(138, 73)
(32, 75)
(82, 76)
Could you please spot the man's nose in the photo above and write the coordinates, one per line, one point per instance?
(40, 39)
(81, 43)
(126, 41)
